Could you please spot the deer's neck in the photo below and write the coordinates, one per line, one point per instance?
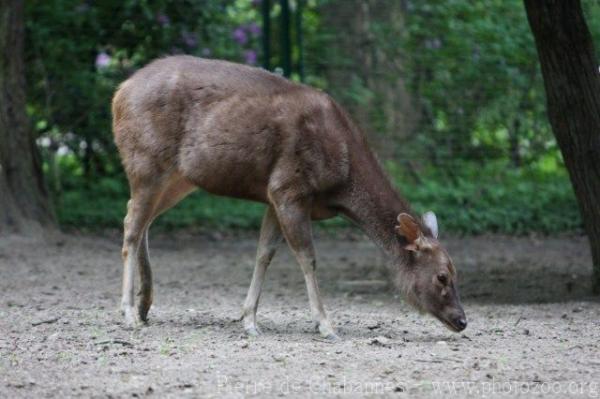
(374, 205)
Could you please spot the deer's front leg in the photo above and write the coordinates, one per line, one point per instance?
(295, 222)
(270, 237)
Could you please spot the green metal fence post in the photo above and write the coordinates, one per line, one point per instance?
(286, 54)
(299, 38)
(266, 33)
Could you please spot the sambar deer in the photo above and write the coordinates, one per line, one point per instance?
(233, 130)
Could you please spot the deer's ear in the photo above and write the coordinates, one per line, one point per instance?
(430, 220)
(409, 228)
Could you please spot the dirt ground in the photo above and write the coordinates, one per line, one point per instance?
(533, 328)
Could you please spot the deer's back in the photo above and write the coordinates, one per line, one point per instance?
(231, 129)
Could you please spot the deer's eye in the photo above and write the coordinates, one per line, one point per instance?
(442, 278)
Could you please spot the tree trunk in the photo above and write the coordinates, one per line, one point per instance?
(24, 204)
(572, 82)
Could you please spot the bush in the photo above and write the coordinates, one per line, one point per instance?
(482, 199)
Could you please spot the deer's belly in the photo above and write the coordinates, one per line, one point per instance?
(227, 169)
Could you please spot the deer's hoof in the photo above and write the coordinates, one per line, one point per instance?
(143, 312)
(332, 337)
(253, 331)
(327, 331)
(132, 318)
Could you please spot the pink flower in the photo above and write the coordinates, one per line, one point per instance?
(240, 36)
(190, 39)
(250, 57)
(102, 60)
(254, 29)
(163, 19)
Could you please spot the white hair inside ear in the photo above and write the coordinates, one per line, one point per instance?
(430, 220)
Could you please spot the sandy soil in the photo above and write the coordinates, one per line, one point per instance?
(533, 329)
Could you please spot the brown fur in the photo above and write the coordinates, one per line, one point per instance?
(237, 131)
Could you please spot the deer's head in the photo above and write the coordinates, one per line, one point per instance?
(428, 278)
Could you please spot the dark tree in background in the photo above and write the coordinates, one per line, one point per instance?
(23, 197)
(572, 82)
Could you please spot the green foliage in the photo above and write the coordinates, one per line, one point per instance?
(483, 199)
(475, 70)
(481, 153)
(103, 204)
(496, 198)
(100, 208)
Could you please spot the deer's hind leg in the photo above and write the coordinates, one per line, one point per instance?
(140, 209)
(175, 190)
(149, 198)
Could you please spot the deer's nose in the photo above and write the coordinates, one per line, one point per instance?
(461, 323)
